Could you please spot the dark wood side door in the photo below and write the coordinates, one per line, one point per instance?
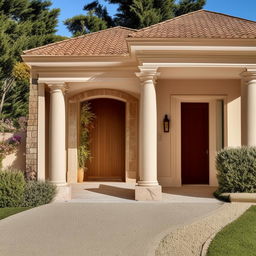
(107, 141)
(195, 143)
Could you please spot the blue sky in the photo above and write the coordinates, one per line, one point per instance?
(241, 8)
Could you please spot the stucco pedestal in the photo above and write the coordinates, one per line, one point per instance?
(148, 193)
(63, 193)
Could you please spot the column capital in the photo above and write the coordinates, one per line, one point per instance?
(248, 74)
(147, 73)
(57, 86)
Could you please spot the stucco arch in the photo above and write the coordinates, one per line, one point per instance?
(131, 133)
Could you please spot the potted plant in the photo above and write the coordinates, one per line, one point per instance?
(84, 153)
(83, 156)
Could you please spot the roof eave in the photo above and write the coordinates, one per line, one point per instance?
(75, 61)
(170, 39)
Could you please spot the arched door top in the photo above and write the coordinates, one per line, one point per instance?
(103, 93)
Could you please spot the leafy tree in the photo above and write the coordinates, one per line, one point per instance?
(17, 83)
(24, 24)
(130, 13)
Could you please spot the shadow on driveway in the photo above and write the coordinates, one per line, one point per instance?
(124, 193)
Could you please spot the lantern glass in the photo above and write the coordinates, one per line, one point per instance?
(166, 123)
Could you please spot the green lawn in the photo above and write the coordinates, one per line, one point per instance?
(5, 212)
(238, 238)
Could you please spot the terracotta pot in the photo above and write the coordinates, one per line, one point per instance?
(80, 175)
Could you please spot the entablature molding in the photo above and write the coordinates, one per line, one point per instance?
(156, 64)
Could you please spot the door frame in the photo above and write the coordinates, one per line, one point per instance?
(175, 131)
(131, 130)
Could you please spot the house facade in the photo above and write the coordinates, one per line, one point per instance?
(166, 99)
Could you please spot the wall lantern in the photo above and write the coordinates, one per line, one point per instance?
(166, 123)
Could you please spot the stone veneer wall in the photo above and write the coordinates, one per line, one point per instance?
(32, 131)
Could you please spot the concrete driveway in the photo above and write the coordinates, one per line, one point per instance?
(95, 228)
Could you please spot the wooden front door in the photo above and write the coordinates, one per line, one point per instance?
(195, 143)
(107, 141)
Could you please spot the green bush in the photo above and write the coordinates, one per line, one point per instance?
(236, 170)
(38, 193)
(12, 185)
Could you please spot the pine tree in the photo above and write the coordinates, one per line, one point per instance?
(130, 13)
(185, 6)
(145, 12)
(83, 24)
(127, 16)
(100, 11)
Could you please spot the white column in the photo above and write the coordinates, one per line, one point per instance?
(249, 84)
(148, 138)
(57, 142)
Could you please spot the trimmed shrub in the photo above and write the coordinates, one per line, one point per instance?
(12, 185)
(38, 193)
(237, 170)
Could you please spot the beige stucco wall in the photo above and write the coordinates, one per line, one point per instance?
(228, 88)
(166, 88)
(17, 159)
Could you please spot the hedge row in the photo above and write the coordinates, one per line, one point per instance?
(236, 170)
(15, 191)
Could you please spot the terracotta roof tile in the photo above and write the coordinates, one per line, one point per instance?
(108, 42)
(112, 41)
(201, 24)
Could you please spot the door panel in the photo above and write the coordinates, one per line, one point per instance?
(195, 143)
(107, 141)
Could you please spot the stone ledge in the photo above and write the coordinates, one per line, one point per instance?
(242, 197)
(148, 193)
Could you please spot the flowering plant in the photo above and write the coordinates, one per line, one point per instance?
(15, 140)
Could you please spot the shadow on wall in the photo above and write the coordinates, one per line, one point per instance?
(16, 160)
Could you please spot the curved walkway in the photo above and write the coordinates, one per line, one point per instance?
(193, 239)
(91, 228)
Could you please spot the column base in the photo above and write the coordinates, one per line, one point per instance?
(148, 193)
(63, 193)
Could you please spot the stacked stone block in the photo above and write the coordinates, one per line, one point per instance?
(32, 131)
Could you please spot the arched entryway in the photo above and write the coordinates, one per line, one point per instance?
(131, 129)
(107, 141)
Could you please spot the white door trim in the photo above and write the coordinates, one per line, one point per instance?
(175, 130)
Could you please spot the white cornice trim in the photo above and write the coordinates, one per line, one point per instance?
(135, 40)
(59, 80)
(199, 65)
(75, 64)
(193, 48)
